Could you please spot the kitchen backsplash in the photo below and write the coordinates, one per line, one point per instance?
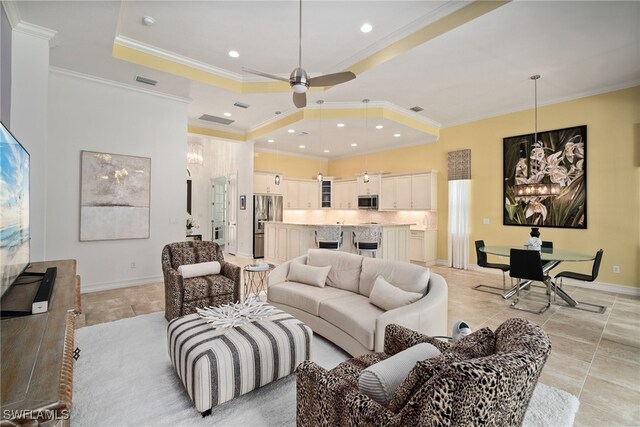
(331, 216)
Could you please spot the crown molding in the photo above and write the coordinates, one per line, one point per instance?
(289, 154)
(13, 14)
(66, 72)
(37, 31)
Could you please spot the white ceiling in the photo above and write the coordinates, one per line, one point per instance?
(479, 69)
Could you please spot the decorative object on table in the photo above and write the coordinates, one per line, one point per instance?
(191, 224)
(115, 193)
(535, 232)
(237, 314)
(258, 266)
(545, 177)
(243, 202)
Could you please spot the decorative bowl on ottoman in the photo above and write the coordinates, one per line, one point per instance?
(219, 363)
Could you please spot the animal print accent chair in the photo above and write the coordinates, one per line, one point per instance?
(183, 296)
(485, 379)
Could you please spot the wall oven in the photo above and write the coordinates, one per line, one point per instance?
(368, 202)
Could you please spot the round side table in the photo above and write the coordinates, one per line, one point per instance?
(255, 278)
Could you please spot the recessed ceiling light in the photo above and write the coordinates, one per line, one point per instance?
(227, 114)
(291, 130)
(270, 140)
(148, 20)
(397, 135)
(340, 125)
(234, 53)
(354, 145)
(301, 146)
(326, 151)
(379, 127)
(366, 28)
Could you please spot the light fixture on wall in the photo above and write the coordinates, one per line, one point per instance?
(194, 153)
(535, 189)
(365, 177)
(320, 176)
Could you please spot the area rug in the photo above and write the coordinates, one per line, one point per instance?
(124, 378)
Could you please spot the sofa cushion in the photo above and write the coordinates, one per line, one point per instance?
(196, 288)
(408, 277)
(387, 297)
(354, 315)
(303, 297)
(199, 269)
(345, 267)
(380, 380)
(308, 274)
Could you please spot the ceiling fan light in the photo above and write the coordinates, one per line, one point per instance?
(299, 88)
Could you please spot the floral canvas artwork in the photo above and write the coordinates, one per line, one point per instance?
(556, 158)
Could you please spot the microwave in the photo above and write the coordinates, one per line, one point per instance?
(368, 202)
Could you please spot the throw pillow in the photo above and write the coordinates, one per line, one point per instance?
(380, 380)
(387, 297)
(200, 269)
(308, 274)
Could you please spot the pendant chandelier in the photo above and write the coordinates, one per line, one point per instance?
(194, 153)
(365, 177)
(320, 176)
(539, 189)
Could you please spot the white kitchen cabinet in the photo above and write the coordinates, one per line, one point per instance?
(345, 195)
(395, 243)
(285, 241)
(368, 188)
(424, 191)
(396, 193)
(301, 194)
(265, 183)
(290, 194)
(423, 246)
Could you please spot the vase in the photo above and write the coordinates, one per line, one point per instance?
(535, 232)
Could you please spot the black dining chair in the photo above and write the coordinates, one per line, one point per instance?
(527, 265)
(585, 278)
(482, 262)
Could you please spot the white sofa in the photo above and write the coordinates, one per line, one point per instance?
(341, 312)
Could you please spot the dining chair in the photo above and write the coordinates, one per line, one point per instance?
(482, 262)
(367, 240)
(328, 237)
(527, 265)
(595, 308)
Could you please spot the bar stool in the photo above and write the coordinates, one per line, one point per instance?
(329, 237)
(367, 240)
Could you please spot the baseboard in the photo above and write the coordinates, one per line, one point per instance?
(442, 262)
(105, 286)
(598, 286)
(245, 255)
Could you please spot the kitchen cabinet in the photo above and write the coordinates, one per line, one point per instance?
(368, 188)
(345, 195)
(395, 243)
(423, 246)
(265, 183)
(396, 193)
(301, 194)
(424, 191)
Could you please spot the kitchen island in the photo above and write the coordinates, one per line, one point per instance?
(284, 241)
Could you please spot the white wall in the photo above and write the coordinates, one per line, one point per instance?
(222, 158)
(29, 94)
(88, 114)
(5, 69)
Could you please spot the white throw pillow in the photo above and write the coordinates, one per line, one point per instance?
(387, 297)
(201, 269)
(308, 274)
(381, 380)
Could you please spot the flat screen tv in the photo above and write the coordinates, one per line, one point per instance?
(14, 208)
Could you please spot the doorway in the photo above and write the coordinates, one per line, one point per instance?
(219, 211)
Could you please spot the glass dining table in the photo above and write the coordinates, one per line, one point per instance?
(551, 258)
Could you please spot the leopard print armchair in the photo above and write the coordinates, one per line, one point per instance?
(183, 296)
(485, 379)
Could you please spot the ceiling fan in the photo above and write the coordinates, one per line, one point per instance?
(299, 79)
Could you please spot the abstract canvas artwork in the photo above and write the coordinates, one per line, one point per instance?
(114, 196)
(558, 160)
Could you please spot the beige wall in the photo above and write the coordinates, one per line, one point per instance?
(613, 181)
(289, 166)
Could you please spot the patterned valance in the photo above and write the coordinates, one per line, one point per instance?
(459, 165)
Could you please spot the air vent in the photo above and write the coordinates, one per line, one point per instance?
(216, 119)
(146, 80)
(241, 104)
(416, 109)
(302, 133)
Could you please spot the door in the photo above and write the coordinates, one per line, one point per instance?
(232, 214)
(218, 210)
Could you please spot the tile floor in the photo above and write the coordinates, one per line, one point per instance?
(594, 356)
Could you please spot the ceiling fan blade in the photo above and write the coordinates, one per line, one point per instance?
(332, 79)
(267, 75)
(300, 99)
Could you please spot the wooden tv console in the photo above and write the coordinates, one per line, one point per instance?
(37, 356)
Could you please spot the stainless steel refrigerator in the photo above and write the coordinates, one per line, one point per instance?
(266, 208)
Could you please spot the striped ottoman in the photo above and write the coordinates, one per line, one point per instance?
(216, 365)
